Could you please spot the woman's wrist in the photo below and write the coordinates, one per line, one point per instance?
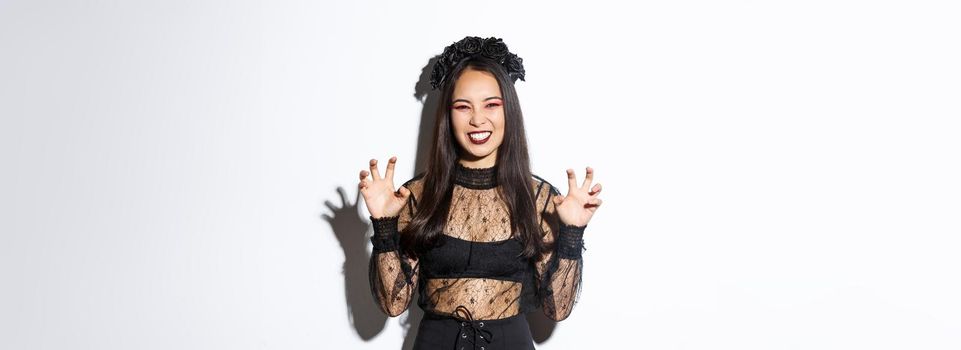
(385, 236)
(384, 225)
(570, 241)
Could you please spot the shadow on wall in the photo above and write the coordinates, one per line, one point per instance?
(352, 232)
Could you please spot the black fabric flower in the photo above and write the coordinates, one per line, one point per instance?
(515, 66)
(437, 73)
(451, 55)
(470, 45)
(492, 48)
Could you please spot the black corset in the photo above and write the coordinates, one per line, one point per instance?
(455, 257)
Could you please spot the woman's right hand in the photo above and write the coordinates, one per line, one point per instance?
(379, 194)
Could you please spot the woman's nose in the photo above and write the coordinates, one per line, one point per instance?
(477, 119)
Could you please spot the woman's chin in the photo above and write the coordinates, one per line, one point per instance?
(475, 156)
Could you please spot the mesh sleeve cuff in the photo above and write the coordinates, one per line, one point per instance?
(386, 237)
(570, 241)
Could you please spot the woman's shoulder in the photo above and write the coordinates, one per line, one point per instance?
(542, 187)
(415, 184)
(416, 179)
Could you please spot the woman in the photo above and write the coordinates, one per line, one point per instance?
(483, 238)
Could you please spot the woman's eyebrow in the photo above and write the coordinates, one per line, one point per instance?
(489, 98)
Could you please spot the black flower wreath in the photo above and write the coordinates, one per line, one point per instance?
(493, 48)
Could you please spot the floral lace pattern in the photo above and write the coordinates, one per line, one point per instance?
(476, 267)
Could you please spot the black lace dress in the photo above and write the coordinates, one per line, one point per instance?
(474, 288)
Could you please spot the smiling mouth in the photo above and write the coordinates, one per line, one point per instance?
(480, 137)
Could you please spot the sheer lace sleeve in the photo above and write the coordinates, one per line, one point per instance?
(392, 274)
(559, 270)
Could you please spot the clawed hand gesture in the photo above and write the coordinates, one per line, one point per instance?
(576, 208)
(379, 194)
(580, 203)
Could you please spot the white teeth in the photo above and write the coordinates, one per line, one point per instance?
(480, 135)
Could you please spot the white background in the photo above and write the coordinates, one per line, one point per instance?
(777, 175)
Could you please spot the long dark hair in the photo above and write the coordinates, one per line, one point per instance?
(513, 170)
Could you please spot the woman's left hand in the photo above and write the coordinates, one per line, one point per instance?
(580, 203)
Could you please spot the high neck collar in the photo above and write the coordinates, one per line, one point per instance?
(475, 178)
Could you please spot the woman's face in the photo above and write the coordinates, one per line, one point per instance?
(477, 117)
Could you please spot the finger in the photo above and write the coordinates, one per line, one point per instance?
(558, 199)
(596, 202)
(403, 192)
(571, 181)
(595, 190)
(389, 174)
(588, 178)
(373, 169)
(363, 181)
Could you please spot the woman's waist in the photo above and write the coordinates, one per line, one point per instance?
(460, 317)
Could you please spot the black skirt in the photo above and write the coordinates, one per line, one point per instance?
(446, 332)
